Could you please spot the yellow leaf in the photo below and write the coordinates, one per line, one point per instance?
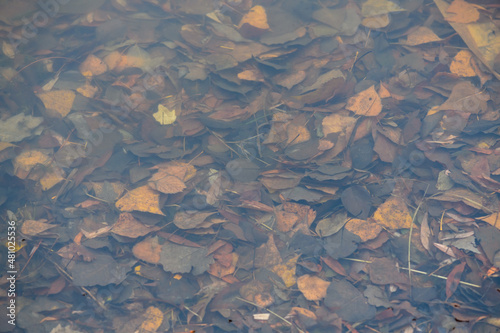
(165, 116)
(153, 320)
(57, 102)
(287, 271)
(461, 64)
(393, 214)
(256, 17)
(142, 199)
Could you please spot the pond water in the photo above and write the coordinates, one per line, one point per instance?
(250, 166)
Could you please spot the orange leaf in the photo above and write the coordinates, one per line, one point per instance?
(287, 271)
(256, 18)
(463, 12)
(153, 319)
(365, 229)
(57, 102)
(461, 64)
(142, 199)
(365, 103)
(393, 214)
(313, 288)
(93, 66)
(148, 250)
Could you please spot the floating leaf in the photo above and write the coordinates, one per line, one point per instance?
(153, 317)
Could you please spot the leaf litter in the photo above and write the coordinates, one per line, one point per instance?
(333, 166)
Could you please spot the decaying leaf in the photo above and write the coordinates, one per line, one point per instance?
(35, 227)
(93, 66)
(128, 226)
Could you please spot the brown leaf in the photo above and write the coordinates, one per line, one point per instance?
(33, 228)
(128, 226)
(148, 250)
(453, 279)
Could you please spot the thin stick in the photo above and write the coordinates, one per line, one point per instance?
(410, 235)
(271, 312)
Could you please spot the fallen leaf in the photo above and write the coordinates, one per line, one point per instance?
(164, 116)
(184, 259)
(18, 127)
(128, 226)
(153, 317)
(365, 229)
(461, 64)
(254, 23)
(365, 103)
(58, 103)
(35, 227)
(393, 214)
(93, 66)
(312, 287)
(286, 271)
(148, 250)
(422, 35)
(142, 199)
(462, 12)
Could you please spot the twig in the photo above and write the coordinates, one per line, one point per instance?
(271, 312)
